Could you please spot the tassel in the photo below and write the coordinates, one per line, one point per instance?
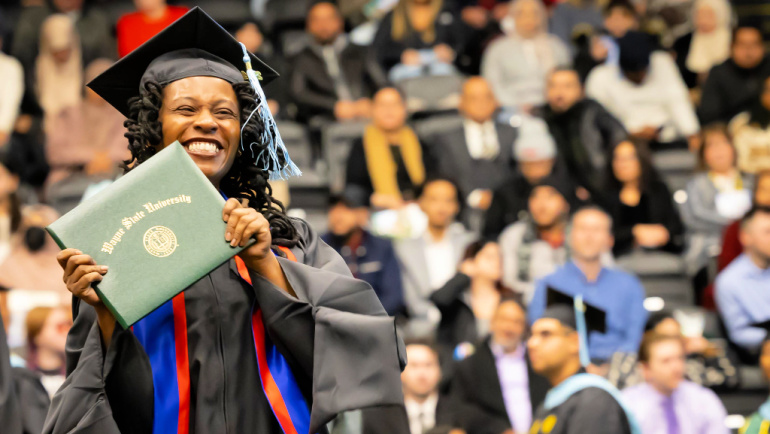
(582, 330)
(268, 159)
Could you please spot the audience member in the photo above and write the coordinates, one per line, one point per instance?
(646, 93)
(135, 28)
(94, 139)
(418, 37)
(707, 45)
(485, 19)
(572, 17)
(760, 420)
(11, 87)
(533, 248)
(32, 263)
(516, 64)
(578, 402)
(619, 294)
(93, 27)
(641, 205)
(535, 154)
(620, 17)
(583, 130)
(495, 389)
(716, 196)
(751, 133)
(731, 243)
(332, 78)
(707, 363)
(59, 68)
(428, 262)
(369, 257)
(732, 86)
(478, 154)
(388, 161)
(741, 295)
(426, 408)
(47, 330)
(667, 402)
(468, 300)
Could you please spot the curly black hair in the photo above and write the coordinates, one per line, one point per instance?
(244, 180)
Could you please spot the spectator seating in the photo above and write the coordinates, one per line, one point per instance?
(434, 94)
(676, 167)
(431, 126)
(662, 275)
(336, 141)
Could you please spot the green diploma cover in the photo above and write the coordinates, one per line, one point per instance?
(159, 228)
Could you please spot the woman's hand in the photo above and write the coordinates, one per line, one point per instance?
(242, 224)
(80, 271)
(651, 235)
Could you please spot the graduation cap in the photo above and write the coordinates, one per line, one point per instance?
(576, 314)
(196, 45)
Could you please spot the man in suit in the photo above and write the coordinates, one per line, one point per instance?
(495, 390)
(369, 257)
(332, 79)
(478, 154)
(426, 408)
(430, 260)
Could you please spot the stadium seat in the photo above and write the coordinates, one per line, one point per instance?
(676, 167)
(432, 94)
(662, 275)
(437, 124)
(337, 140)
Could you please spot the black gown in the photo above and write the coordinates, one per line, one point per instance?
(337, 339)
(591, 410)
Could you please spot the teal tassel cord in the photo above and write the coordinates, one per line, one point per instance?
(268, 158)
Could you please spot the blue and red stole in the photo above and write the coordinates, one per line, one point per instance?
(163, 334)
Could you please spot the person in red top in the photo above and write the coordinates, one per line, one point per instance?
(150, 18)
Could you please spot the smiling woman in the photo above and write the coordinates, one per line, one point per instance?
(247, 348)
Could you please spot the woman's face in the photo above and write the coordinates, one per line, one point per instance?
(527, 19)
(388, 110)
(718, 153)
(705, 19)
(488, 262)
(625, 163)
(53, 335)
(762, 195)
(202, 113)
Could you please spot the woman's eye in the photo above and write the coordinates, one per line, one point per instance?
(185, 109)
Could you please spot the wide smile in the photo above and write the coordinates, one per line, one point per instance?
(203, 148)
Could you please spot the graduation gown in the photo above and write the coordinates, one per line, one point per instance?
(340, 345)
(10, 416)
(589, 410)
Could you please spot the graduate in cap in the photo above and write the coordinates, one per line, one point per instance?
(579, 402)
(280, 338)
(759, 422)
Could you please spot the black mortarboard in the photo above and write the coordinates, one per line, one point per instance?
(576, 314)
(194, 45)
(765, 325)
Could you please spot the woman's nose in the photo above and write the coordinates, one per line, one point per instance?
(206, 122)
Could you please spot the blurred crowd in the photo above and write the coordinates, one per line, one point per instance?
(477, 153)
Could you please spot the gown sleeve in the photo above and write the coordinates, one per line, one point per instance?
(597, 412)
(9, 406)
(336, 331)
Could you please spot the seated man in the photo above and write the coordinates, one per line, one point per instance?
(369, 257)
(666, 402)
(535, 154)
(732, 87)
(495, 389)
(426, 408)
(646, 93)
(478, 154)
(429, 261)
(332, 78)
(534, 247)
(583, 130)
(741, 289)
(619, 294)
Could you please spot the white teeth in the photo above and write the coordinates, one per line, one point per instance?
(203, 147)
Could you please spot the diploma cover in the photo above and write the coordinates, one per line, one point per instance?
(159, 228)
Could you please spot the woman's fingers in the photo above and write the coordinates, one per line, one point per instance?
(239, 232)
(83, 290)
(86, 269)
(231, 205)
(253, 228)
(75, 261)
(63, 256)
(235, 217)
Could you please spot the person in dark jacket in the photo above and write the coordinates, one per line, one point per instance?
(495, 389)
(732, 86)
(584, 131)
(332, 78)
(369, 257)
(640, 204)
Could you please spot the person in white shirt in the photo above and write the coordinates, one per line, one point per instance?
(425, 408)
(430, 260)
(11, 89)
(646, 93)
